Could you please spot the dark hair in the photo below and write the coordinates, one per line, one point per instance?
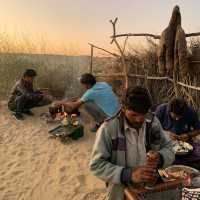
(138, 99)
(177, 106)
(88, 79)
(30, 73)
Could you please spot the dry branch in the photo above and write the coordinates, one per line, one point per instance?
(121, 52)
(192, 34)
(124, 48)
(189, 86)
(150, 35)
(136, 34)
(114, 54)
(195, 61)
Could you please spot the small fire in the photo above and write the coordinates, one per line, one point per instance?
(64, 121)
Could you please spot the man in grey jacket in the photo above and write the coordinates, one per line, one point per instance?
(122, 142)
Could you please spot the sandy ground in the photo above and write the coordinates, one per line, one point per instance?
(34, 166)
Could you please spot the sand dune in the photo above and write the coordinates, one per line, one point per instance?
(34, 166)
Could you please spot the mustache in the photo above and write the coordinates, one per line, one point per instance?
(136, 125)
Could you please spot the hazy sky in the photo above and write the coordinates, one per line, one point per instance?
(68, 25)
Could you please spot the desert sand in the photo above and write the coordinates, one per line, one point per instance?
(33, 166)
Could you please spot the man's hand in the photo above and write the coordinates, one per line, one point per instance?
(172, 135)
(153, 159)
(184, 137)
(58, 103)
(144, 174)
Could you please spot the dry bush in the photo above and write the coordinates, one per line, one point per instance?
(145, 61)
(191, 95)
(58, 73)
(60, 79)
(109, 65)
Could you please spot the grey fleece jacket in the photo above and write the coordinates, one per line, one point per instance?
(108, 160)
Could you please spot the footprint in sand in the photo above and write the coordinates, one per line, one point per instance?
(10, 164)
(50, 182)
(15, 173)
(81, 179)
(19, 153)
(2, 188)
(62, 174)
(62, 169)
(1, 140)
(62, 179)
(3, 173)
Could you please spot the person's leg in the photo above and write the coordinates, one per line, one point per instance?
(17, 107)
(42, 100)
(24, 104)
(31, 103)
(97, 113)
(20, 102)
(34, 101)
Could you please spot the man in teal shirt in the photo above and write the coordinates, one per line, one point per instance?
(99, 100)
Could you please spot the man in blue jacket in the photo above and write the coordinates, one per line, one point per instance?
(181, 122)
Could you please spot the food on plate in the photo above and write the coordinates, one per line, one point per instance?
(177, 172)
(182, 147)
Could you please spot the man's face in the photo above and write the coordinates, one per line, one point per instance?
(28, 79)
(135, 119)
(86, 86)
(175, 116)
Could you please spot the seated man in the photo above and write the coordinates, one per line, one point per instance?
(119, 154)
(23, 97)
(181, 123)
(99, 100)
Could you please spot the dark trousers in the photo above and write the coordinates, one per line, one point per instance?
(24, 103)
(95, 111)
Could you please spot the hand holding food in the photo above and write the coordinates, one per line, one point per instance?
(153, 159)
(144, 174)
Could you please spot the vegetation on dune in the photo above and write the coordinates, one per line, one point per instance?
(58, 73)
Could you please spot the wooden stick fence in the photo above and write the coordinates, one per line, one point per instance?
(140, 76)
(122, 57)
(137, 75)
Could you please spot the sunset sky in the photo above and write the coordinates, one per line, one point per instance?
(66, 26)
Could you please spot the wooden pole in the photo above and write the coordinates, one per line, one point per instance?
(145, 75)
(146, 78)
(175, 83)
(113, 54)
(121, 52)
(91, 60)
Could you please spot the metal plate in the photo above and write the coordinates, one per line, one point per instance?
(179, 143)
